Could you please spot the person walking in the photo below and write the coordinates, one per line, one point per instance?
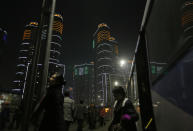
(16, 121)
(92, 114)
(68, 110)
(51, 105)
(80, 114)
(125, 115)
(102, 116)
(5, 115)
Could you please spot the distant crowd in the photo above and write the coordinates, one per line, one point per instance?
(57, 111)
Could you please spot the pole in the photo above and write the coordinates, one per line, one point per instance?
(49, 16)
(143, 76)
(48, 7)
(144, 85)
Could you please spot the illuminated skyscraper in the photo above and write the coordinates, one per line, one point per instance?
(27, 50)
(56, 44)
(55, 50)
(83, 77)
(25, 55)
(106, 50)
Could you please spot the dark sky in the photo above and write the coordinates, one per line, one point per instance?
(81, 18)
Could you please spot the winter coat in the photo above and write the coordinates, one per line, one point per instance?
(121, 108)
(92, 114)
(80, 112)
(53, 119)
(102, 112)
(68, 109)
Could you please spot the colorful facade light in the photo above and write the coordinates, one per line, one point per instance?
(102, 25)
(33, 23)
(27, 34)
(58, 15)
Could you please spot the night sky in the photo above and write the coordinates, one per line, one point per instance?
(81, 18)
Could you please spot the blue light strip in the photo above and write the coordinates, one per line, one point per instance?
(104, 51)
(104, 66)
(57, 36)
(106, 58)
(56, 44)
(55, 51)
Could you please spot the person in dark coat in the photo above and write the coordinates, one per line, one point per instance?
(80, 113)
(92, 114)
(125, 115)
(102, 114)
(5, 114)
(52, 103)
(16, 121)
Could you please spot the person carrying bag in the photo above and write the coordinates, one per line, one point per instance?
(125, 115)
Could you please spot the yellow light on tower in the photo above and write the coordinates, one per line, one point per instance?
(33, 23)
(27, 34)
(112, 38)
(58, 15)
(102, 25)
(103, 35)
(58, 26)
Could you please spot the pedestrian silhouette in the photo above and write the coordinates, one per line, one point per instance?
(68, 110)
(80, 114)
(102, 114)
(92, 114)
(125, 115)
(52, 106)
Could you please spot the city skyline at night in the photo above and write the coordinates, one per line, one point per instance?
(80, 21)
(27, 53)
(96, 65)
(105, 57)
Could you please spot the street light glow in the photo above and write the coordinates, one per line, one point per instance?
(116, 83)
(122, 63)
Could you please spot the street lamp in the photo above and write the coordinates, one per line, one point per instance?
(116, 83)
(122, 63)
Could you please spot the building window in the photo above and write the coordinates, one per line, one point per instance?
(86, 70)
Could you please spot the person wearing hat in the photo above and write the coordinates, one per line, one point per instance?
(52, 105)
(125, 115)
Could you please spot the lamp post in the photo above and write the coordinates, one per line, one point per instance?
(124, 66)
(115, 80)
(122, 62)
(116, 83)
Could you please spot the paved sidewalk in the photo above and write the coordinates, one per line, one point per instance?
(73, 127)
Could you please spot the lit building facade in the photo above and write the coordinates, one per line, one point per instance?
(83, 77)
(56, 44)
(27, 50)
(105, 52)
(55, 51)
